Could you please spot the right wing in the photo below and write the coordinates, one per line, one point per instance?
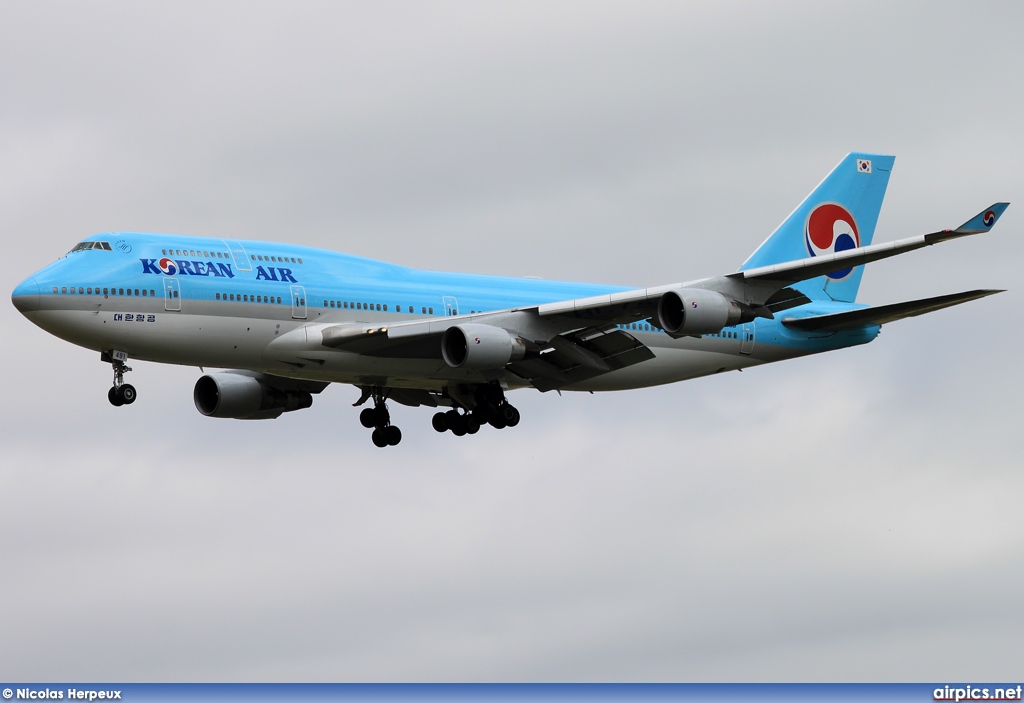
(572, 340)
(755, 288)
(793, 271)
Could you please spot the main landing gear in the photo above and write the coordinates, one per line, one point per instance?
(384, 433)
(473, 407)
(120, 393)
(491, 409)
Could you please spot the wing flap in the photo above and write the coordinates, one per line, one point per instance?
(882, 314)
(567, 358)
(785, 299)
(580, 356)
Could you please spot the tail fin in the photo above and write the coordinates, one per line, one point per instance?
(839, 214)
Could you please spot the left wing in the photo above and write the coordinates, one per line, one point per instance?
(549, 354)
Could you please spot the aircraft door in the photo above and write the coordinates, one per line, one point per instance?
(298, 302)
(451, 305)
(172, 294)
(747, 338)
(238, 255)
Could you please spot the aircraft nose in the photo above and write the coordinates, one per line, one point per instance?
(26, 296)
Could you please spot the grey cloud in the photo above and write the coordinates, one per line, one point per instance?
(826, 518)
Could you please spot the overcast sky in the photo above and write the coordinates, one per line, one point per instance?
(854, 516)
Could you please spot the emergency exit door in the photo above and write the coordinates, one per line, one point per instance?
(298, 302)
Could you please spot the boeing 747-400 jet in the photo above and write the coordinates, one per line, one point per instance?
(287, 320)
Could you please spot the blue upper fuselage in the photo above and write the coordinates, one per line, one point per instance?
(207, 269)
(141, 265)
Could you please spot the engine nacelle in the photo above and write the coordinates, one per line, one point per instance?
(245, 397)
(480, 347)
(697, 311)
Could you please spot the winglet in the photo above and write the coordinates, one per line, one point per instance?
(983, 221)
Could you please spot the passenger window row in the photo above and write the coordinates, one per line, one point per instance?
(215, 254)
(278, 259)
(644, 327)
(237, 298)
(373, 306)
(195, 252)
(640, 327)
(80, 290)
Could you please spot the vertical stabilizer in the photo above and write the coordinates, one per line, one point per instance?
(839, 214)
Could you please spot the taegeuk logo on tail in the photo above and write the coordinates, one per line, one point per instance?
(831, 229)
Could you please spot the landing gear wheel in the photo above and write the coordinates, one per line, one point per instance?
(484, 414)
(515, 417)
(458, 427)
(368, 418)
(498, 422)
(472, 424)
(508, 414)
(378, 418)
(121, 393)
(379, 438)
(126, 393)
(394, 435)
(440, 422)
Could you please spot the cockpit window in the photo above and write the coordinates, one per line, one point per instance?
(82, 246)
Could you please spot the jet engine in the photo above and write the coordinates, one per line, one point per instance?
(697, 311)
(480, 347)
(245, 397)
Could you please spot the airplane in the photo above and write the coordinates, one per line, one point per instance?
(285, 321)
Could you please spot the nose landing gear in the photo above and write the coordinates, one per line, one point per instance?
(120, 393)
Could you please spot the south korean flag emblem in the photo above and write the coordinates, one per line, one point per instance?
(863, 165)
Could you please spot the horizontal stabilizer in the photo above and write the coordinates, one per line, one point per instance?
(882, 314)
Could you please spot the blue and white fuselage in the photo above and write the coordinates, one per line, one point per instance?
(289, 319)
(212, 308)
